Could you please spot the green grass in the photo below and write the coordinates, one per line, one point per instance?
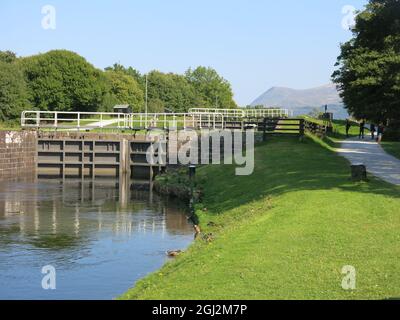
(334, 140)
(10, 126)
(286, 231)
(392, 148)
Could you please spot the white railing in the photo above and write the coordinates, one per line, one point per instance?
(176, 120)
(73, 120)
(136, 121)
(199, 118)
(225, 112)
(245, 112)
(267, 113)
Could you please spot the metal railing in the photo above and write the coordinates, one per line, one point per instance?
(135, 121)
(224, 112)
(199, 118)
(267, 113)
(176, 120)
(73, 120)
(245, 112)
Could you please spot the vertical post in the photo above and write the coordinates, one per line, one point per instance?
(82, 160)
(94, 162)
(151, 173)
(265, 129)
(301, 127)
(146, 100)
(122, 161)
(192, 172)
(63, 160)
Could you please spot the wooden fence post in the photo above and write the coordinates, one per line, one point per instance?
(302, 127)
(265, 129)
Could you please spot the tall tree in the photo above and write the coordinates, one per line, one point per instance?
(213, 89)
(61, 80)
(368, 74)
(128, 71)
(8, 56)
(170, 92)
(13, 91)
(124, 89)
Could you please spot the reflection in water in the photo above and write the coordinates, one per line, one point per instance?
(100, 236)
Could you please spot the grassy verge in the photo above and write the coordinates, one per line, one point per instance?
(9, 126)
(286, 231)
(334, 140)
(392, 148)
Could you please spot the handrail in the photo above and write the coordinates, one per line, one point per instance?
(93, 120)
(244, 112)
(196, 119)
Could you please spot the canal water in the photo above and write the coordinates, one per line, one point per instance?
(99, 237)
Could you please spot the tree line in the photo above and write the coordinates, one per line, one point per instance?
(368, 69)
(61, 80)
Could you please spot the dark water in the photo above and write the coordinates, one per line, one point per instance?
(99, 237)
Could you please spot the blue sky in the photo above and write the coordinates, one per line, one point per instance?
(254, 44)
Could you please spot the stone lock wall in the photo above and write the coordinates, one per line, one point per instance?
(17, 154)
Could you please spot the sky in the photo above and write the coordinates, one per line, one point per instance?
(254, 44)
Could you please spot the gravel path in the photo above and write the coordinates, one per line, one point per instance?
(371, 154)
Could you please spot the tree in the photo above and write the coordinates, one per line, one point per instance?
(124, 89)
(213, 90)
(61, 80)
(128, 71)
(170, 92)
(13, 91)
(368, 74)
(8, 56)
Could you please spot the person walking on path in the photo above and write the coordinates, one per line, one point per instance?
(348, 126)
(362, 130)
(373, 130)
(381, 130)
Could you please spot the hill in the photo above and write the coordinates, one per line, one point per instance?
(304, 101)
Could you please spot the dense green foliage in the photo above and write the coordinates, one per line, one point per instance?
(13, 91)
(7, 56)
(369, 65)
(288, 236)
(170, 92)
(128, 71)
(214, 90)
(61, 80)
(123, 89)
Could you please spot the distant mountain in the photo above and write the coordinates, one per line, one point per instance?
(304, 101)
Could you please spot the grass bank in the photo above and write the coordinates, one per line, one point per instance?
(392, 148)
(15, 126)
(286, 231)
